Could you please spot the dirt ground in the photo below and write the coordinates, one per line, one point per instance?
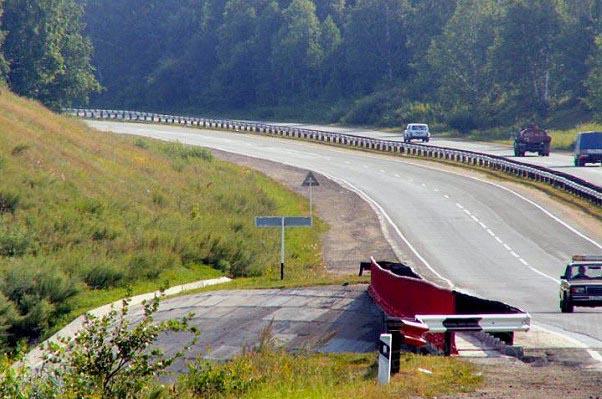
(355, 235)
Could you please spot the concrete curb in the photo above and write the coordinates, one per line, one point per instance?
(35, 357)
(499, 345)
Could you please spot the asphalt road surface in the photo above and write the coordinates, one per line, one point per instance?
(475, 235)
(559, 161)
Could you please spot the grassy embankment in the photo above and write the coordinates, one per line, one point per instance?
(83, 215)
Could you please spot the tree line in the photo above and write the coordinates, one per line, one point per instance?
(44, 53)
(467, 64)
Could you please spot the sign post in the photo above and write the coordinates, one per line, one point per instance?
(310, 181)
(282, 222)
(384, 358)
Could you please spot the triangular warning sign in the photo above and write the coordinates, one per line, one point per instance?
(310, 180)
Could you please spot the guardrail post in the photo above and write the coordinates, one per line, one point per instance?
(448, 344)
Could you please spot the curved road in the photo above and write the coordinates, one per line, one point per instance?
(476, 235)
(559, 161)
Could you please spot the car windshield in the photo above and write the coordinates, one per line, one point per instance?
(418, 127)
(591, 140)
(579, 272)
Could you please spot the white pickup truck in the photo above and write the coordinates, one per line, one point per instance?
(419, 131)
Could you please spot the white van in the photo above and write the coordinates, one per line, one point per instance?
(419, 131)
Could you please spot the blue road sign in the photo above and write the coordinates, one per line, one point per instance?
(289, 221)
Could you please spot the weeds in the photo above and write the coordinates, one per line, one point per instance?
(14, 243)
(19, 149)
(186, 152)
(9, 201)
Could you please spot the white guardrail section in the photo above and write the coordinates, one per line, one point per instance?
(559, 180)
(491, 323)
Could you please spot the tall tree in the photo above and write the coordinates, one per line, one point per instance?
(523, 53)
(49, 58)
(375, 43)
(297, 53)
(4, 68)
(459, 56)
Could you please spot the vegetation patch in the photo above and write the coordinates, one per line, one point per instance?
(113, 357)
(85, 215)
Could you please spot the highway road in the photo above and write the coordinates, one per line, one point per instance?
(559, 161)
(476, 235)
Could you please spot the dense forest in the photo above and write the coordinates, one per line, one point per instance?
(44, 54)
(463, 63)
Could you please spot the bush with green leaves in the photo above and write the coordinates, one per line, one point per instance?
(39, 292)
(111, 357)
(14, 242)
(103, 276)
(9, 201)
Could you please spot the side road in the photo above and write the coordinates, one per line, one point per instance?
(35, 357)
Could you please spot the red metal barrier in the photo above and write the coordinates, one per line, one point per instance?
(405, 297)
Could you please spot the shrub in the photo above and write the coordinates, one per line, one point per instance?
(140, 143)
(19, 149)
(103, 233)
(417, 112)
(9, 202)
(178, 165)
(462, 121)
(90, 206)
(112, 358)
(207, 379)
(14, 242)
(158, 199)
(103, 276)
(147, 265)
(40, 292)
(179, 150)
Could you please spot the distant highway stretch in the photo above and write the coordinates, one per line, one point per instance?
(477, 236)
(560, 161)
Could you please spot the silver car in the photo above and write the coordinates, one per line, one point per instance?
(416, 131)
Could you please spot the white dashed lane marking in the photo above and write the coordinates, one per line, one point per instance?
(506, 246)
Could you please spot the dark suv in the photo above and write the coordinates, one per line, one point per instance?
(588, 148)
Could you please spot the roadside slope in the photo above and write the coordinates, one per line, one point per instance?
(84, 214)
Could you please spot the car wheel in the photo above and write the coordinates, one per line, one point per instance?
(566, 306)
(578, 163)
(427, 139)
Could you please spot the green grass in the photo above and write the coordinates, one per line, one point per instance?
(84, 214)
(565, 139)
(277, 374)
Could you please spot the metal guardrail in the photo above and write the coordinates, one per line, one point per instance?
(559, 180)
(491, 323)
